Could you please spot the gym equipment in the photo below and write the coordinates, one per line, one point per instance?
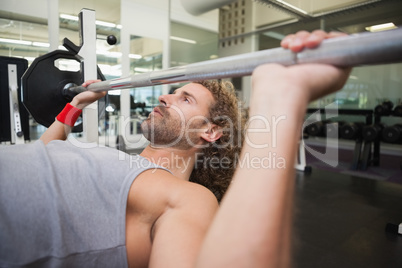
(353, 50)
(392, 134)
(351, 131)
(384, 108)
(324, 128)
(398, 110)
(333, 129)
(111, 40)
(365, 152)
(316, 129)
(44, 91)
(14, 118)
(372, 133)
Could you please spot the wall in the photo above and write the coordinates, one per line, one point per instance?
(207, 21)
(238, 19)
(151, 18)
(25, 7)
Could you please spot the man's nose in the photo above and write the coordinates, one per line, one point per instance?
(166, 100)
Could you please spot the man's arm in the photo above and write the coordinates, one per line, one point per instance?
(60, 131)
(252, 228)
(179, 232)
(179, 214)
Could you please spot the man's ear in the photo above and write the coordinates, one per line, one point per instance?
(212, 133)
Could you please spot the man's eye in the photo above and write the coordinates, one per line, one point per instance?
(187, 100)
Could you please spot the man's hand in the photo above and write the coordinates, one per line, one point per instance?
(303, 39)
(305, 82)
(85, 98)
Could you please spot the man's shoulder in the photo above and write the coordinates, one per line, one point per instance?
(157, 189)
(175, 190)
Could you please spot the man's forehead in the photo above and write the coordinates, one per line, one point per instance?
(195, 89)
(192, 87)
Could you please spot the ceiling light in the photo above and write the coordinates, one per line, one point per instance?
(134, 56)
(40, 44)
(381, 27)
(183, 40)
(106, 24)
(292, 7)
(15, 41)
(68, 17)
(116, 54)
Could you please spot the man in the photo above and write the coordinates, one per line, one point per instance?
(164, 220)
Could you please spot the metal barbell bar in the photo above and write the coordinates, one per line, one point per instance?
(348, 51)
(58, 87)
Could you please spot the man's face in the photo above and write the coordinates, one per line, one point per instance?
(178, 120)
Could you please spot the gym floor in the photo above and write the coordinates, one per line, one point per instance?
(340, 221)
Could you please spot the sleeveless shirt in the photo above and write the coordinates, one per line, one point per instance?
(64, 206)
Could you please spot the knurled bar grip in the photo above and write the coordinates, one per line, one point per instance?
(346, 51)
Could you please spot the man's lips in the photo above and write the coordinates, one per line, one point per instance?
(157, 110)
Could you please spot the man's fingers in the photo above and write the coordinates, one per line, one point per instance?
(297, 42)
(285, 41)
(315, 38)
(88, 82)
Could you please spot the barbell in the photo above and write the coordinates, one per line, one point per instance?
(347, 51)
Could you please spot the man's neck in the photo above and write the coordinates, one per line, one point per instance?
(179, 162)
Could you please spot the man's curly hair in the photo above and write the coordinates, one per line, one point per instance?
(216, 164)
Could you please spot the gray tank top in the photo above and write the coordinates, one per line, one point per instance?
(64, 206)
